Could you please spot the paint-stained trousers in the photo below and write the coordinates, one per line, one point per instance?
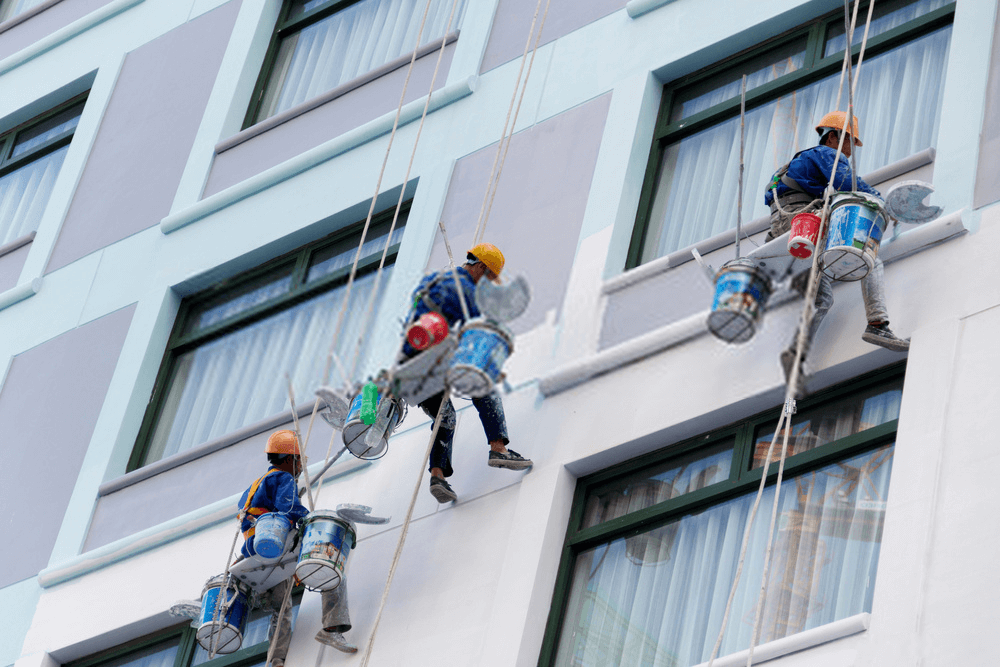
(490, 409)
(336, 617)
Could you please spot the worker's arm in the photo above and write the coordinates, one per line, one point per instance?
(286, 496)
(812, 169)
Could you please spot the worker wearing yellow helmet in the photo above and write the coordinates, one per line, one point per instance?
(799, 185)
(438, 293)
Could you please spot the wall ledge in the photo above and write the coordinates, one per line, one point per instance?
(218, 512)
(341, 90)
(315, 156)
(20, 293)
(66, 33)
(637, 8)
(24, 16)
(910, 242)
(16, 244)
(800, 641)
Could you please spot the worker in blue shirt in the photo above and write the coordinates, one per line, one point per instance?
(437, 292)
(798, 185)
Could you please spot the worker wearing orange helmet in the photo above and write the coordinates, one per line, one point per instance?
(798, 185)
(438, 293)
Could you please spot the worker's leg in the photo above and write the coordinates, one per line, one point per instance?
(336, 619)
(490, 409)
(877, 332)
(441, 451)
(821, 306)
(281, 624)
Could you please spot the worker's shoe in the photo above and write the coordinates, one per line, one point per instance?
(336, 640)
(880, 334)
(787, 360)
(442, 491)
(509, 459)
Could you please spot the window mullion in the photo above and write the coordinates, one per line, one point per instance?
(814, 45)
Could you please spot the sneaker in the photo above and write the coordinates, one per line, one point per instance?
(881, 335)
(442, 491)
(509, 459)
(336, 640)
(787, 359)
(277, 662)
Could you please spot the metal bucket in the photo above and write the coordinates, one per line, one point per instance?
(482, 350)
(427, 331)
(326, 543)
(224, 630)
(857, 222)
(741, 294)
(356, 431)
(270, 533)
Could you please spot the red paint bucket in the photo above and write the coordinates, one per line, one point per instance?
(427, 331)
(805, 232)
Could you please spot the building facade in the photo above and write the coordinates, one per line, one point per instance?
(184, 187)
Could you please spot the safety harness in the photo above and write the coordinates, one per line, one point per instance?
(255, 512)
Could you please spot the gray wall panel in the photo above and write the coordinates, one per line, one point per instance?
(513, 19)
(539, 206)
(988, 172)
(325, 122)
(10, 267)
(71, 372)
(43, 24)
(146, 136)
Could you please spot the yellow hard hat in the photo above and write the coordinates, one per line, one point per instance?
(490, 255)
(835, 120)
(282, 442)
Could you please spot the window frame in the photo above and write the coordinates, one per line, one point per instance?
(814, 68)
(742, 480)
(10, 137)
(299, 291)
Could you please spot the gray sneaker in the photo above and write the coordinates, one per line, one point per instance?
(509, 459)
(442, 491)
(336, 640)
(881, 335)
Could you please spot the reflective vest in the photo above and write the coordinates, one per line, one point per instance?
(254, 511)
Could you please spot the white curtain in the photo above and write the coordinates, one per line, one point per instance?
(24, 194)
(158, 655)
(887, 15)
(898, 104)
(350, 43)
(658, 598)
(239, 379)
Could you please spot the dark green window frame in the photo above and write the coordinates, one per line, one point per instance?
(743, 479)
(815, 68)
(9, 163)
(299, 291)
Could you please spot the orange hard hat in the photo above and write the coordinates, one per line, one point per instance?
(836, 120)
(490, 255)
(282, 442)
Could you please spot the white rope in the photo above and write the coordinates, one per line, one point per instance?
(739, 184)
(454, 273)
(302, 445)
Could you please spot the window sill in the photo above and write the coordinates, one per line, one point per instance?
(341, 90)
(798, 642)
(16, 244)
(179, 459)
(24, 16)
(637, 8)
(20, 293)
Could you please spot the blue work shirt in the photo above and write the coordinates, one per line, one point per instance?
(276, 492)
(441, 290)
(811, 170)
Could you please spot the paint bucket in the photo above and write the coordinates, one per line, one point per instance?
(224, 630)
(857, 222)
(741, 293)
(327, 541)
(270, 533)
(482, 350)
(430, 329)
(356, 431)
(803, 236)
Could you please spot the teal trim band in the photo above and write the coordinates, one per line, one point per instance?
(67, 33)
(20, 293)
(326, 151)
(637, 8)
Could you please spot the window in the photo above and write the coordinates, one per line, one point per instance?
(320, 44)
(690, 189)
(653, 543)
(30, 158)
(11, 8)
(232, 345)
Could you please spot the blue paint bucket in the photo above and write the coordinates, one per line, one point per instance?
(857, 222)
(270, 532)
(741, 294)
(483, 349)
(356, 431)
(223, 630)
(327, 541)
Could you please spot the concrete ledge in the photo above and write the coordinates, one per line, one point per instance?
(800, 641)
(341, 90)
(17, 243)
(305, 161)
(24, 16)
(637, 8)
(20, 293)
(908, 243)
(65, 34)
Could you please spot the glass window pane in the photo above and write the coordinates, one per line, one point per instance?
(300, 7)
(238, 379)
(899, 98)
(158, 655)
(348, 44)
(241, 299)
(760, 69)
(684, 474)
(38, 134)
(658, 598)
(833, 421)
(888, 14)
(340, 255)
(24, 194)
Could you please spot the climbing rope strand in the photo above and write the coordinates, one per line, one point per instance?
(405, 528)
(481, 231)
(281, 615)
(739, 182)
(454, 273)
(298, 437)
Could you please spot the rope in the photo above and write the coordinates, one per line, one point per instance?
(454, 273)
(298, 436)
(214, 644)
(281, 614)
(739, 184)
